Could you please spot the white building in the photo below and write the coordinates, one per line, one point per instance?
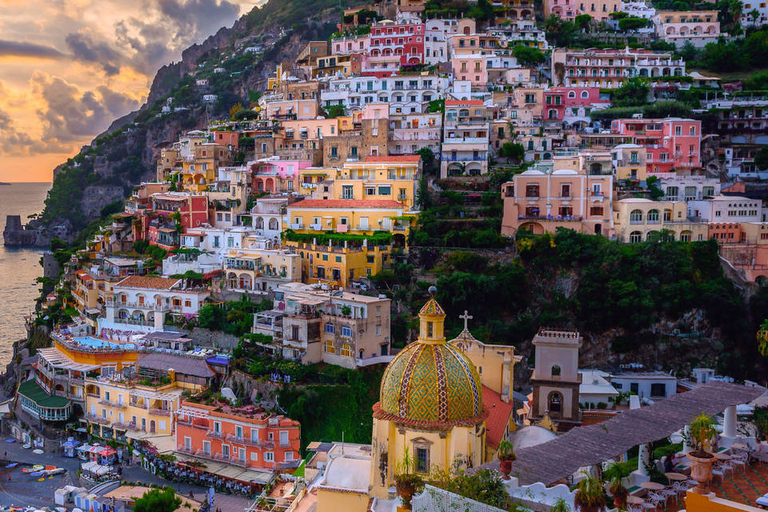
(405, 94)
(259, 269)
(727, 209)
(140, 303)
(747, 9)
(595, 388)
(646, 385)
(687, 188)
(267, 217)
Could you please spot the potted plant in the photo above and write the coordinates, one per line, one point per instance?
(589, 495)
(702, 428)
(506, 457)
(407, 481)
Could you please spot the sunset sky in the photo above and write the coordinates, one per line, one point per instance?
(68, 68)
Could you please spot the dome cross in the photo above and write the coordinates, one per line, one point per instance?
(466, 317)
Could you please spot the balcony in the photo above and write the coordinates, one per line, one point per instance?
(112, 404)
(215, 435)
(159, 412)
(551, 218)
(96, 419)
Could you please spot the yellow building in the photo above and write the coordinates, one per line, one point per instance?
(312, 178)
(431, 406)
(636, 219)
(338, 265)
(202, 168)
(393, 178)
(629, 162)
(360, 217)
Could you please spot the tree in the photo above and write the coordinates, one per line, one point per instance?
(435, 106)
(237, 107)
(754, 14)
(423, 195)
(632, 23)
(335, 111)
(583, 21)
(761, 159)
(618, 15)
(513, 151)
(656, 191)
(483, 11)
(632, 93)
(244, 115)
(689, 52)
(158, 500)
(427, 160)
(528, 56)
(559, 32)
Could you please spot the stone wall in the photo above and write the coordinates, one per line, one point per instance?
(216, 339)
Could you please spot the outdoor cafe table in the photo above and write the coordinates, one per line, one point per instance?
(635, 500)
(676, 477)
(739, 446)
(722, 456)
(652, 486)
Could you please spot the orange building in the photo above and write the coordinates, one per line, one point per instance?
(242, 436)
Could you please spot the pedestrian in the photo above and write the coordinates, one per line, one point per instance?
(9, 477)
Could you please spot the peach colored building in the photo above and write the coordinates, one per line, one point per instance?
(568, 9)
(242, 436)
(542, 202)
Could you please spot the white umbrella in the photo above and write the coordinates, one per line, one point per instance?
(77, 510)
(38, 451)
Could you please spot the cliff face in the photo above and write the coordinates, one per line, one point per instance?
(106, 170)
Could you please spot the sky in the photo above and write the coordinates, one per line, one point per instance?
(68, 68)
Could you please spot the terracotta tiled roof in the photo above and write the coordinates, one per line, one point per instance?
(347, 203)
(157, 283)
(413, 159)
(498, 416)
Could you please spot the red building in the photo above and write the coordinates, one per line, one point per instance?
(231, 139)
(243, 436)
(405, 40)
(671, 143)
(158, 223)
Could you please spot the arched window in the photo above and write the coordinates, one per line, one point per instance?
(555, 403)
(635, 237)
(556, 371)
(653, 216)
(572, 94)
(636, 217)
(330, 328)
(584, 94)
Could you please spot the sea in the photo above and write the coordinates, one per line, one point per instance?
(19, 267)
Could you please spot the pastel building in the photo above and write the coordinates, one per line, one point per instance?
(259, 270)
(541, 202)
(679, 27)
(629, 162)
(276, 175)
(391, 178)
(609, 68)
(404, 39)
(727, 209)
(671, 143)
(568, 9)
(572, 105)
(636, 220)
(465, 138)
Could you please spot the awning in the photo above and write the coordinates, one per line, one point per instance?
(585, 446)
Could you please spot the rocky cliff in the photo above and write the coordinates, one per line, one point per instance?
(87, 185)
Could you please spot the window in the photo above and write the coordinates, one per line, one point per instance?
(634, 387)
(430, 329)
(555, 403)
(678, 130)
(217, 427)
(556, 371)
(635, 237)
(238, 432)
(636, 217)
(288, 456)
(330, 328)
(585, 94)
(207, 447)
(346, 350)
(658, 389)
(532, 191)
(187, 443)
(329, 347)
(269, 457)
(284, 438)
(346, 331)
(565, 190)
(422, 459)
(653, 216)
(254, 456)
(254, 435)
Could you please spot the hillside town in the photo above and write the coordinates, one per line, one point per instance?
(223, 331)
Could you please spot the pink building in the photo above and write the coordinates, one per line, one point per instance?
(273, 175)
(671, 143)
(405, 40)
(542, 202)
(349, 45)
(472, 68)
(572, 104)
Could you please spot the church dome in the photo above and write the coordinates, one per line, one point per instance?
(431, 383)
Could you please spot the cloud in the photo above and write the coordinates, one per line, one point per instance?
(69, 115)
(85, 48)
(199, 17)
(22, 49)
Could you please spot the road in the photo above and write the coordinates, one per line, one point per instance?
(24, 490)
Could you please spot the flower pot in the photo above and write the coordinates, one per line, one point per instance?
(701, 470)
(506, 467)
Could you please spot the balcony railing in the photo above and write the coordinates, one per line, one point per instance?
(159, 412)
(215, 435)
(96, 419)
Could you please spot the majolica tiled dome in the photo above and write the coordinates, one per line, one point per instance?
(430, 381)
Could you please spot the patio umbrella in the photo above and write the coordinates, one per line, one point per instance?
(38, 451)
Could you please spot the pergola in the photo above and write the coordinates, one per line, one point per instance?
(580, 447)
